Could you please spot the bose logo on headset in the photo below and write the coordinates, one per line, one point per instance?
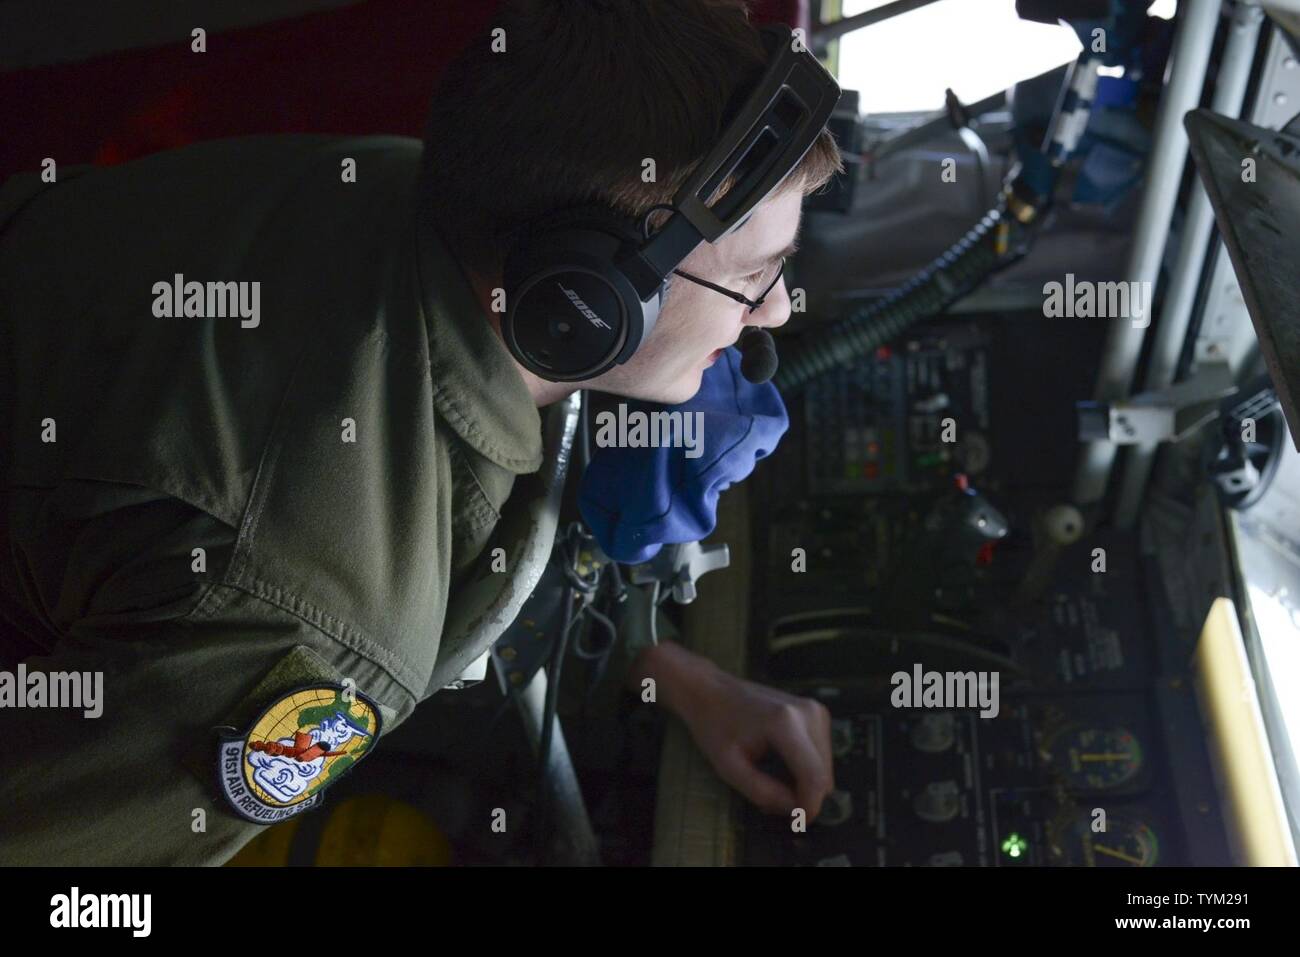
(583, 308)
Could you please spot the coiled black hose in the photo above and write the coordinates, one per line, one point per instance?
(986, 248)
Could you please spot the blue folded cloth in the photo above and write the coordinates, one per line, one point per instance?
(636, 500)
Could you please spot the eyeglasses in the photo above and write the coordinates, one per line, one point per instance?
(766, 280)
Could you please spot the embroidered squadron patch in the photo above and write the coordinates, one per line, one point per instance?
(306, 740)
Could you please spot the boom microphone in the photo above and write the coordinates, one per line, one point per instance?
(758, 359)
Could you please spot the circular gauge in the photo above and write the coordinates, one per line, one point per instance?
(1064, 524)
(1094, 759)
(1124, 843)
(973, 452)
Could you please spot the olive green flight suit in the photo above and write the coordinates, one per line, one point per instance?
(345, 464)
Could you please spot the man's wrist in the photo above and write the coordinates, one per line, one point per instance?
(678, 674)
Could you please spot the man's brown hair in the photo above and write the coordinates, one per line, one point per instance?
(584, 92)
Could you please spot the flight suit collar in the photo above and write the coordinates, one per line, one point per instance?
(476, 386)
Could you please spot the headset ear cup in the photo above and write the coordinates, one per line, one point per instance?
(534, 235)
(571, 313)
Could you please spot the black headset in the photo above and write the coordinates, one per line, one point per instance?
(584, 285)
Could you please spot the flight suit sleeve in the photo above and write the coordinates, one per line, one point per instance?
(163, 669)
(133, 779)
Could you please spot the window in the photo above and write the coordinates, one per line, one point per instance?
(976, 47)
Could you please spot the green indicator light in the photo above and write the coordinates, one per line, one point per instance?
(1014, 845)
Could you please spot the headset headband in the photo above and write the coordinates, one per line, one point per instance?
(764, 143)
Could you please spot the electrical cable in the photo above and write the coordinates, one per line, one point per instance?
(596, 654)
(585, 589)
(654, 613)
(999, 239)
(584, 434)
(963, 266)
(645, 218)
(548, 724)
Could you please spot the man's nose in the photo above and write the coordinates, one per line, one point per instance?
(775, 310)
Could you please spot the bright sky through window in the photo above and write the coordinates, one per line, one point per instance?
(977, 47)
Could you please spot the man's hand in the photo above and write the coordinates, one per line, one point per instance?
(736, 722)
